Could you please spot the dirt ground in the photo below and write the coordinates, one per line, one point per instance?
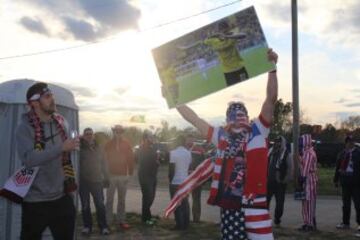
(201, 231)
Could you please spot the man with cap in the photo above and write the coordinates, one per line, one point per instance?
(240, 172)
(42, 141)
(347, 172)
(148, 159)
(119, 157)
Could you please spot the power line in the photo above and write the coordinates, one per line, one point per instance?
(111, 38)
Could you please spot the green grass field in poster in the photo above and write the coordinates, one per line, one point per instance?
(201, 84)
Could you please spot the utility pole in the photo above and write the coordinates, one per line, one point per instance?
(295, 87)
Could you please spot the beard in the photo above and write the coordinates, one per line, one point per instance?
(48, 109)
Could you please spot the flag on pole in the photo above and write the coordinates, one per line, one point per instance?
(138, 119)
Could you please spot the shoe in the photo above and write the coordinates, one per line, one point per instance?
(306, 228)
(124, 226)
(105, 231)
(86, 231)
(343, 226)
(357, 234)
(150, 223)
(175, 229)
(277, 223)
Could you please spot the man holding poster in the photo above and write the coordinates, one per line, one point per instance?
(240, 168)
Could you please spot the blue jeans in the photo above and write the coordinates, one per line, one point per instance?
(96, 191)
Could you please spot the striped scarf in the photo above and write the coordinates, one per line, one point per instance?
(34, 120)
(229, 147)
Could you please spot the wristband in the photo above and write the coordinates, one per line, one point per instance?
(273, 71)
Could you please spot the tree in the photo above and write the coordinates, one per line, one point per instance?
(166, 133)
(352, 123)
(329, 134)
(282, 121)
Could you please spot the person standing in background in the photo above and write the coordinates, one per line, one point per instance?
(147, 158)
(93, 177)
(308, 169)
(198, 156)
(280, 165)
(347, 172)
(120, 161)
(180, 160)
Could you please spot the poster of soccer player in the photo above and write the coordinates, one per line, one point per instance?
(216, 56)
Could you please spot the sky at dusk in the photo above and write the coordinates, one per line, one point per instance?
(113, 76)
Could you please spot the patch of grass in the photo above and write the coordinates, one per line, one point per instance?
(199, 231)
(325, 183)
(287, 234)
(161, 230)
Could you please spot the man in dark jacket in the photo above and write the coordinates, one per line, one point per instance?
(348, 173)
(198, 156)
(93, 177)
(278, 174)
(148, 160)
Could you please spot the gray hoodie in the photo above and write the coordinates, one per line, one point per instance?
(49, 181)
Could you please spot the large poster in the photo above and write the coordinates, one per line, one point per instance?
(216, 56)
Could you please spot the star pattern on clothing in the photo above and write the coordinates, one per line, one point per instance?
(233, 224)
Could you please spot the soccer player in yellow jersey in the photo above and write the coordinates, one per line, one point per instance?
(168, 78)
(224, 44)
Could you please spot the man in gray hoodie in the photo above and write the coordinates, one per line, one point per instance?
(42, 142)
(93, 177)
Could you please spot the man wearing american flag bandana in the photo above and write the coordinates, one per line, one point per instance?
(239, 171)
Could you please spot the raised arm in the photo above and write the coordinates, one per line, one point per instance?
(189, 115)
(268, 106)
(191, 45)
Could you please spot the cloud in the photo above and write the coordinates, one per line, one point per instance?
(78, 91)
(341, 100)
(81, 29)
(282, 12)
(34, 25)
(353, 104)
(243, 98)
(85, 20)
(121, 90)
(112, 14)
(331, 23)
(102, 109)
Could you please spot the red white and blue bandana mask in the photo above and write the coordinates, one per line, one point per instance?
(237, 117)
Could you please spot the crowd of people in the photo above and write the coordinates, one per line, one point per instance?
(245, 175)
